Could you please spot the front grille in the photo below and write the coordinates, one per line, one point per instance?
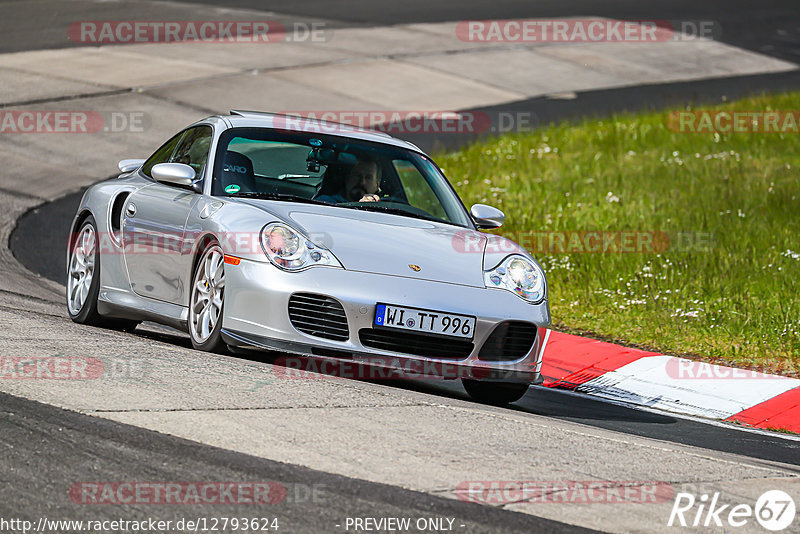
(417, 344)
(318, 315)
(510, 340)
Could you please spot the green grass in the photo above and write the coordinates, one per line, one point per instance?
(782, 430)
(734, 299)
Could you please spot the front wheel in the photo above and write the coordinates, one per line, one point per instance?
(83, 275)
(83, 281)
(497, 393)
(205, 306)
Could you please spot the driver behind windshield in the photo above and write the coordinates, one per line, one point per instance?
(359, 183)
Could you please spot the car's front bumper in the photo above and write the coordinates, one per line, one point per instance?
(256, 315)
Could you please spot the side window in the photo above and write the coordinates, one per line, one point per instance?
(193, 149)
(162, 155)
(417, 189)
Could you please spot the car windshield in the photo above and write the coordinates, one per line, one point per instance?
(325, 169)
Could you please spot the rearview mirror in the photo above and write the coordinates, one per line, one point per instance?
(487, 217)
(175, 174)
(128, 165)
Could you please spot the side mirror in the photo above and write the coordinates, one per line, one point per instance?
(487, 217)
(177, 174)
(128, 165)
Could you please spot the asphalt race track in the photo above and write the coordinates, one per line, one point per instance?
(362, 448)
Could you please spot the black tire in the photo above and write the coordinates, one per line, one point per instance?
(214, 342)
(496, 393)
(87, 313)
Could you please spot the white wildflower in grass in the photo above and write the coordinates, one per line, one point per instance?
(552, 263)
(611, 197)
(687, 313)
(790, 254)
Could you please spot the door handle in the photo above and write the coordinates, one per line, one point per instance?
(131, 209)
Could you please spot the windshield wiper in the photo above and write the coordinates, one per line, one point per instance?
(373, 206)
(276, 196)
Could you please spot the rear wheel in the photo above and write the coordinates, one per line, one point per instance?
(205, 306)
(497, 393)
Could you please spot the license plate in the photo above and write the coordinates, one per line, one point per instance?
(424, 321)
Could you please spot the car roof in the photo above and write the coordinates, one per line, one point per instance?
(263, 119)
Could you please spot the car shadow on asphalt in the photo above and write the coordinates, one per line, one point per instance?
(538, 400)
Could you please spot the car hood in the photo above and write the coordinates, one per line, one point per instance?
(387, 244)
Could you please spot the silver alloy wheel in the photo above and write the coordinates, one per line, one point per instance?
(208, 289)
(81, 269)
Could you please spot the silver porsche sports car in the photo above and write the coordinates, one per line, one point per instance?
(315, 239)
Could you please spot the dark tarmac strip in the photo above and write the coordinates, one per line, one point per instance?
(542, 110)
(46, 450)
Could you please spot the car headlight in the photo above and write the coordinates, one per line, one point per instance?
(290, 250)
(519, 275)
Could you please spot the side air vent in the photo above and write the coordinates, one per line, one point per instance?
(319, 316)
(115, 220)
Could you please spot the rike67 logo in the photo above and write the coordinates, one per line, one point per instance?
(774, 510)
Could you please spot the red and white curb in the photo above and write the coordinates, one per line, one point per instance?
(672, 384)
